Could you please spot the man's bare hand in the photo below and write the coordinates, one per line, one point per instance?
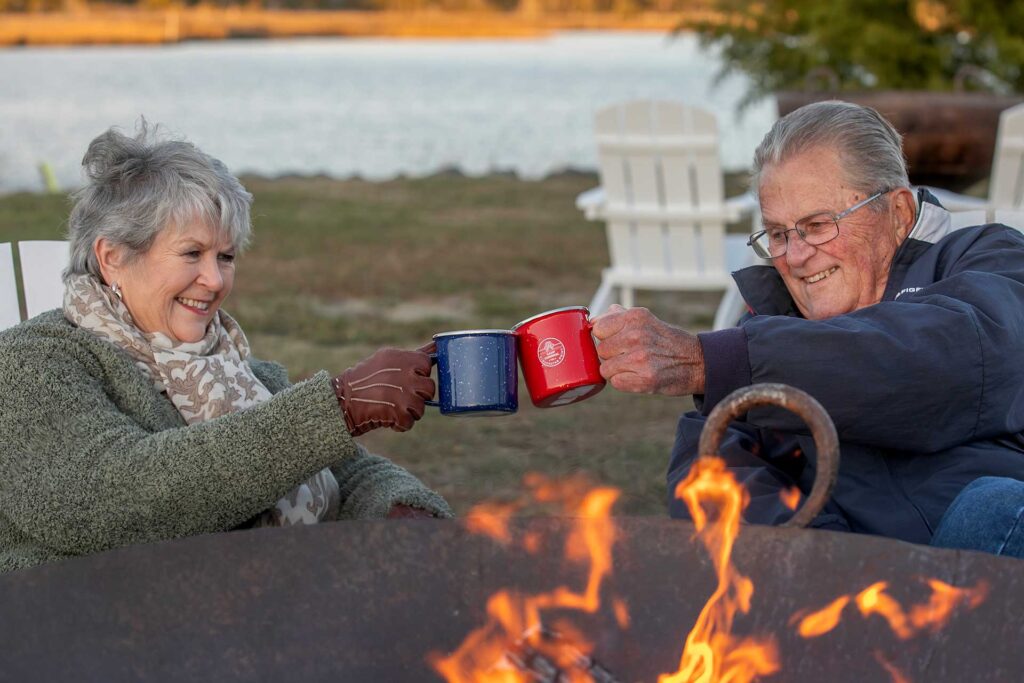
(643, 355)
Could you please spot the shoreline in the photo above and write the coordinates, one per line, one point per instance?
(110, 26)
(735, 180)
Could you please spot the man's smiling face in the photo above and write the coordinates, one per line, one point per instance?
(848, 272)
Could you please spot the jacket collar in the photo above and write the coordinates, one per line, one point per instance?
(766, 294)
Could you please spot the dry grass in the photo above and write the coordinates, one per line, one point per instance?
(339, 268)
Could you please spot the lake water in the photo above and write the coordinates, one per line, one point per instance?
(374, 108)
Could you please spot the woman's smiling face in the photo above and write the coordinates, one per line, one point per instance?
(179, 284)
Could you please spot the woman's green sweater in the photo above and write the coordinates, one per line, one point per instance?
(92, 457)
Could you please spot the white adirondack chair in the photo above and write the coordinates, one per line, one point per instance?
(662, 199)
(41, 286)
(10, 311)
(1006, 183)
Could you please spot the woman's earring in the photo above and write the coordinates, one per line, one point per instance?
(116, 289)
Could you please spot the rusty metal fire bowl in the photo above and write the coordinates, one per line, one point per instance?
(372, 600)
(367, 601)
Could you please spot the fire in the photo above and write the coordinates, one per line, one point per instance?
(621, 611)
(873, 600)
(528, 636)
(824, 620)
(896, 675)
(516, 634)
(491, 519)
(929, 616)
(945, 598)
(712, 653)
(790, 497)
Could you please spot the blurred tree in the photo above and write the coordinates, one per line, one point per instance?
(870, 44)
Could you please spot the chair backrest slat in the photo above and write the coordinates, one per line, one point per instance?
(612, 165)
(663, 187)
(42, 262)
(1007, 190)
(10, 314)
(638, 121)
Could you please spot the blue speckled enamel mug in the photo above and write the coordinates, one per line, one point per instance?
(477, 373)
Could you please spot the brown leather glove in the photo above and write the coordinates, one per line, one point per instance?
(385, 390)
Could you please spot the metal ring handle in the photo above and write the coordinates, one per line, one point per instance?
(826, 441)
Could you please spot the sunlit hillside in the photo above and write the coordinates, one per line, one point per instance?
(41, 22)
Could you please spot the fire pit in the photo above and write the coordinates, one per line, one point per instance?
(368, 601)
(408, 600)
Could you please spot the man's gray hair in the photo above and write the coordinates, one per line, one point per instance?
(870, 149)
(138, 186)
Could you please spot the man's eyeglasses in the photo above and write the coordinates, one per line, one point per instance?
(815, 230)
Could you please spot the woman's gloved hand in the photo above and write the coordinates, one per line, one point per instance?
(385, 390)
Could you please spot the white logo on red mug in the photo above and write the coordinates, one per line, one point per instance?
(550, 352)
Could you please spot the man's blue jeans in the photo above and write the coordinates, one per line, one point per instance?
(988, 515)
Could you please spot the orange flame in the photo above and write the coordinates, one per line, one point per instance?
(515, 630)
(532, 542)
(712, 653)
(896, 675)
(931, 615)
(936, 612)
(873, 600)
(621, 613)
(487, 654)
(491, 519)
(824, 620)
(790, 497)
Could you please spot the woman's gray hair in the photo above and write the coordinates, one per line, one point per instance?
(870, 149)
(138, 186)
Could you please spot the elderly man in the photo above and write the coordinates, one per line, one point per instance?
(909, 333)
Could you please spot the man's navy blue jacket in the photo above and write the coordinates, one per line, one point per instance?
(926, 388)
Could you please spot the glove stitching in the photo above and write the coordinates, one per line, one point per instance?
(370, 400)
(360, 381)
(378, 384)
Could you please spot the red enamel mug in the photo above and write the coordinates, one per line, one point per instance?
(558, 357)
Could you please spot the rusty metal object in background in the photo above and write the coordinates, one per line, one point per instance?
(826, 441)
(949, 138)
(364, 602)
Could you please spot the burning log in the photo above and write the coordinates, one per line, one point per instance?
(531, 662)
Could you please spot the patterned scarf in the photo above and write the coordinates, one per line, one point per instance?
(203, 379)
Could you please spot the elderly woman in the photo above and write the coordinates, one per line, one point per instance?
(137, 413)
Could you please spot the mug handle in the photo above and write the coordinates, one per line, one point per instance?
(433, 362)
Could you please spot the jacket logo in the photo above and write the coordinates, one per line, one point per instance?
(908, 290)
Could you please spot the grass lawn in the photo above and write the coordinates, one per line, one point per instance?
(340, 268)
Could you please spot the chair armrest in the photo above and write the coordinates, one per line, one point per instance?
(745, 206)
(592, 203)
(745, 203)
